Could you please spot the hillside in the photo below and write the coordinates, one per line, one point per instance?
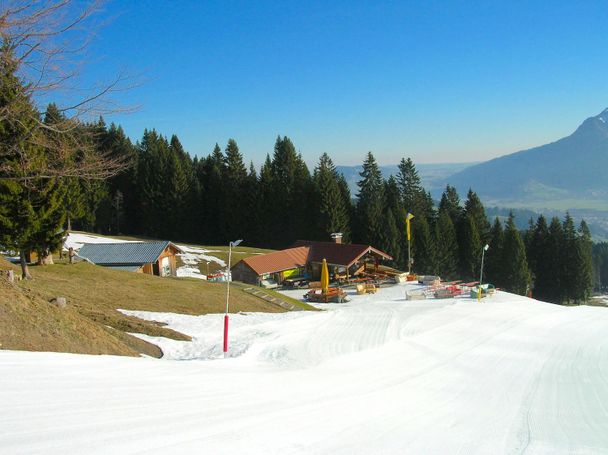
(29, 322)
(568, 173)
(91, 323)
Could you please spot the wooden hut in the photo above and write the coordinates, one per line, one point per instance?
(344, 260)
(153, 258)
(305, 258)
(271, 268)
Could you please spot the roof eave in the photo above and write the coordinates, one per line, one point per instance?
(369, 250)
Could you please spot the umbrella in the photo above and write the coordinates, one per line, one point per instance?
(324, 277)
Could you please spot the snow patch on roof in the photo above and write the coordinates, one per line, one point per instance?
(76, 240)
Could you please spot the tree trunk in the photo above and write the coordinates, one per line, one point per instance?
(25, 271)
(69, 224)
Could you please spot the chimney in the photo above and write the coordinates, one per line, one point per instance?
(337, 236)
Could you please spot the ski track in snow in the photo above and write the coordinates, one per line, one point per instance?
(376, 375)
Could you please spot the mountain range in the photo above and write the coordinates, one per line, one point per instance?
(569, 173)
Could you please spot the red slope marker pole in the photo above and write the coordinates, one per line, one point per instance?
(225, 335)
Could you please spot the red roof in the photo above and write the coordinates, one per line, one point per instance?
(338, 253)
(278, 261)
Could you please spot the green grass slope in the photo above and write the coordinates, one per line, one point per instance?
(29, 322)
(91, 323)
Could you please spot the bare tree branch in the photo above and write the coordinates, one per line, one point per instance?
(48, 42)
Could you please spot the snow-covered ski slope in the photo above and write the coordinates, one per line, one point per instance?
(380, 374)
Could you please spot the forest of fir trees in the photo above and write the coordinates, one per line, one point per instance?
(210, 200)
(166, 193)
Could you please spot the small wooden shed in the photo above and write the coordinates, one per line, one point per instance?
(153, 258)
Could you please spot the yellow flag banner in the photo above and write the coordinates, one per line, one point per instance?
(407, 223)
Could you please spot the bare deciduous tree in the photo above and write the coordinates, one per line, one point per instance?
(47, 42)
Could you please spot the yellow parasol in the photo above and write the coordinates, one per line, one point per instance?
(407, 223)
(324, 277)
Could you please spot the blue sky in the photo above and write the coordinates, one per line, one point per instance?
(435, 81)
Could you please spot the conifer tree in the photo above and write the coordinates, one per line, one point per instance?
(266, 194)
(584, 282)
(474, 208)
(122, 187)
(156, 167)
(516, 275)
(49, 235)
(446, 246)
(553, 290)
(235, 170)
(292, 192)
(348, 204)
(118, 209)
(394, 235)
(234, 185)
(74, 201)
(370, 202)
(95, 191)
(199, 226)
(30, 207)
(210, 171)
(179, 186)
(388, 239)
(450, 203)
(425, 206)
(74, 196)
(186, 185)
(332, 213)
(414, 198)
(473, 237)
(539, 256)
(527, 237)
(470, 245)
(253, 211)
(302, 202)
(493, 265)
(571, 261)
(423, 248)
(409, 185)
(600, 263)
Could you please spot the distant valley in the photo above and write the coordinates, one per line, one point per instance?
(432, 175)
(570, 174)
(567, 174)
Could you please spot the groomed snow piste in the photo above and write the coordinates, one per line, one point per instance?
(377, 375)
